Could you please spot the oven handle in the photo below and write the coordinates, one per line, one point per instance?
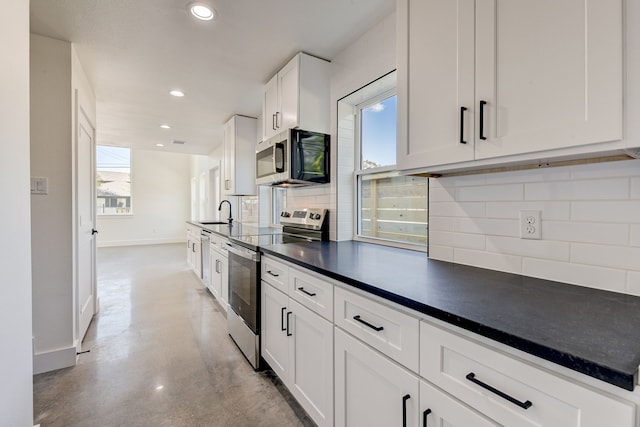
(243, 252)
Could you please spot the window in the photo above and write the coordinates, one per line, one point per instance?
(113, 180)
(391, 208)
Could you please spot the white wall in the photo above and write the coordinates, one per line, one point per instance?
(56, 78)
(51, 214)
(368, 58)
(16, 394)
(160, 202)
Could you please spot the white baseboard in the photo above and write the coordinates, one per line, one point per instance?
(55, 359)
(140, 242)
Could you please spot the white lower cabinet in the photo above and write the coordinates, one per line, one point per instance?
(392, 369)
(219, 283)
(440, 409)
(511, 391)
(372, 390)
(298, 345)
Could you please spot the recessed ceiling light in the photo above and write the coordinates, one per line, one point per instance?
(202, 11)
(159, 144)
(165, 126)
(177, 93)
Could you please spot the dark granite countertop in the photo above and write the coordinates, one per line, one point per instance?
(590, 331)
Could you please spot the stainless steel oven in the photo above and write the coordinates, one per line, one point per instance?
(244, 293)
(243, 318)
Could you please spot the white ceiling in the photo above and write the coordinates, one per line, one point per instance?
(135, 51)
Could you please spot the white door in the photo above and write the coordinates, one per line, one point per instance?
(550, 72)
(311, 363)
(371, 390)
(273, 336)
(86, 256)
(438, 83)
(270, 108)
(214, 193)
(289, 95)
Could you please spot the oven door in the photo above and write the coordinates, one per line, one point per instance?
(244, 279)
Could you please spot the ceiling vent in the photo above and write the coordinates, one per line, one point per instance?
(179, 142)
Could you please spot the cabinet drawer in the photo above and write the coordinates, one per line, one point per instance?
(388, 330)
(276, 273)
(312, 292)
(512, 391)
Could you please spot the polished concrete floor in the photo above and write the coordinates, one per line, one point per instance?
(159, 355)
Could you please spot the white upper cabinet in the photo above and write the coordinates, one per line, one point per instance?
(239, 157)
(496, 82)
(297, 97)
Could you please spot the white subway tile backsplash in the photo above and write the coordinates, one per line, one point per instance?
(511, 210)
(457, 240)
(635, 189)
(622, 168)
(607, 189)
(633, 283)
(490, 193)
(442, 253)
(493, 227)
(442, 194)
(606, 211)
(634, 235)
(622, 257)
(458, 181)
(468, 209)
(530, 175)
(586, 232)
(576, 274)
(530, 248)
(440, 223)
(590, 223)
(493, 261)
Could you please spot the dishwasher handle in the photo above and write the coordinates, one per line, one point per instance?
(243, 252)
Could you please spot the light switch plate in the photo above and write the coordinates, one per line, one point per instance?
(530, 225)
(39, 185)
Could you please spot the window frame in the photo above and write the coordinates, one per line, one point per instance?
(116, 215)
(382, 171)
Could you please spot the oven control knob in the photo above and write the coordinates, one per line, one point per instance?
(285, 214)
(315, 216)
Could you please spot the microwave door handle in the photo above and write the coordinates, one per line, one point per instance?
(300, 153)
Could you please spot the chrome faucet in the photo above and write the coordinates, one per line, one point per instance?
(230, 219)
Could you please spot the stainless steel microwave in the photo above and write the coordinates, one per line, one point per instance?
(294, 157)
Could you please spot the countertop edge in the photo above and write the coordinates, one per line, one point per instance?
(618, 378)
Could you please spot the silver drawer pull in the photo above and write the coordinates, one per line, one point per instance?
(524, 405)
(364, 322)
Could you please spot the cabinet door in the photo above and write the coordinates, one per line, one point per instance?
(435, 80)
(550, 72)
(215, 284)
(371, 389)
(310, 377)
(289, 93)
(269, 108)
(439, 409)
(229, 170)
(273, 337)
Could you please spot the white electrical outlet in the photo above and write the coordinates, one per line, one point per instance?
(530, 225)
